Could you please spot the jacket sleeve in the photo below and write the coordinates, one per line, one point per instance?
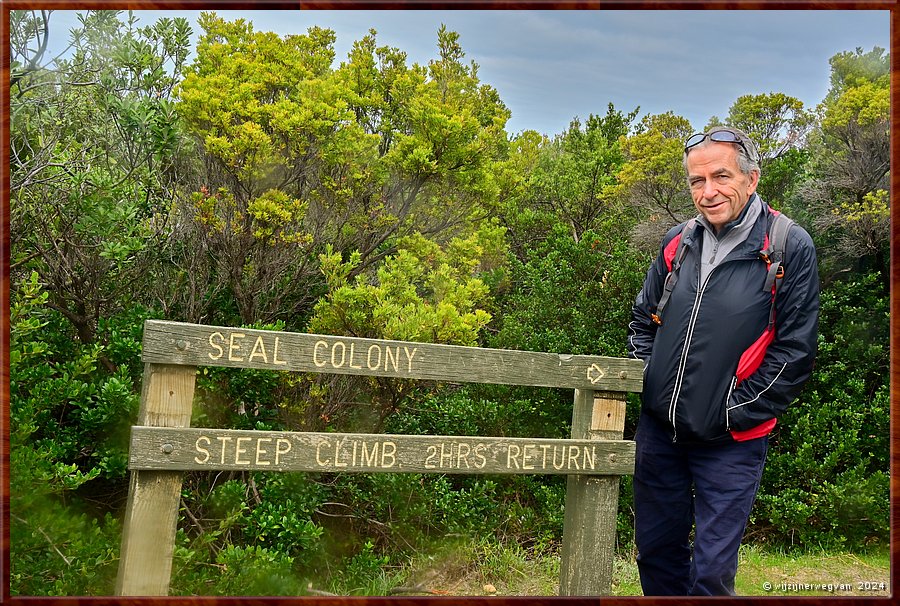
(788, 361)
(642, 328)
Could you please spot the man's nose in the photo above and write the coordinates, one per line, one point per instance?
(710, 190)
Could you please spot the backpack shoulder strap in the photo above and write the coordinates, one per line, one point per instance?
(674, 264)
(773, 254)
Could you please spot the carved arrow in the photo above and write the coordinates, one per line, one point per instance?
(594, 374)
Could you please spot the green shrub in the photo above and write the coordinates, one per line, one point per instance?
(70, 408)
(826, 481)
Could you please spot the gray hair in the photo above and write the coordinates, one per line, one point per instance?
(746, 163)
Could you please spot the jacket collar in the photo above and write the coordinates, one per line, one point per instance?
(753, 242)
(754, 199)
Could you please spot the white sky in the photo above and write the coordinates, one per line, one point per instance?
(551, 66)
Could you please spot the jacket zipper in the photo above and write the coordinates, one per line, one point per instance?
(727, 399)
(679, 377)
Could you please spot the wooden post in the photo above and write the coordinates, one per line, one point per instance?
(589, 532)
(151, 515)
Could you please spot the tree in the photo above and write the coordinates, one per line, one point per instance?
(775, 122)
(847, 190)
(778, 124)
(576, 171)
(514, 179)
(298, 155)
(93, 149)
(652, 182)
(424, 293)
(850, 69)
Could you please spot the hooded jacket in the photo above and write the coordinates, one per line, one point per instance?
(714, 370)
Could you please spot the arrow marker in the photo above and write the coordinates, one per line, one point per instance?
(594, 374)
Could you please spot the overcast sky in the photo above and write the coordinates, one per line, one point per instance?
(551, 66)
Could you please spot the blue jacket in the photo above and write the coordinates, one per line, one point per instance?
(714, 371)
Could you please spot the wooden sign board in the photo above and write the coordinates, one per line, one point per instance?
(161, 448)
(200, 345)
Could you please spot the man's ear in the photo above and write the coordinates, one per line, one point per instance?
(754, 181)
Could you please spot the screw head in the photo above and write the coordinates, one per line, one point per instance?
(167, 448)
(181, 344)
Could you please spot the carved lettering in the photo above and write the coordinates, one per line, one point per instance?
(376, 357)
(589, 461)
(562, 461)
(233, 347)
(352, 453)
(526, 456)
(319, 460)
(370, 459)
(391, 357)
(512, 454)
(201, 449)
(446, 455)
(463, 458)
(224, 440)
(215, 345)
(388, 454)
(377, 363)
(430, 457)
(275, 359)
(281, 451)
(261, 451)
(316, 353)
(352, 355)
(259, 350)
(346, 452)
(232, 450)
(480, 459)
(337, 447)
(238, 451)
(409, 356)
(573, 458)
(334, 362)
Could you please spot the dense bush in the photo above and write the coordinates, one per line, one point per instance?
(826, 481)
(70, 409)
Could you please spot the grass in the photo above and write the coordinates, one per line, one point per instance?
(481, 568)
(816, 573)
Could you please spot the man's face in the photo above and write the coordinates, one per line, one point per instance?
(719, 189)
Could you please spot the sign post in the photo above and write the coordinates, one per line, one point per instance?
(151, 514)
(589, 526)
(164, 446)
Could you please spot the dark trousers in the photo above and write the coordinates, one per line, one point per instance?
(677, 486)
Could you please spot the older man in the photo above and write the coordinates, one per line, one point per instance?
(718, 370)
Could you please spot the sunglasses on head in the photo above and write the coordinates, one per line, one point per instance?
(721, 136)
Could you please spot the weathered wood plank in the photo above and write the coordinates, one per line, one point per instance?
(589, 527)
(227, 449)
(151, 514)
(200, 345)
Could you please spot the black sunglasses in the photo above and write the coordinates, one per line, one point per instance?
(721, 136)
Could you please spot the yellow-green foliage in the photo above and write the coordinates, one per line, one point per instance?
(869, 103)
(426, 292)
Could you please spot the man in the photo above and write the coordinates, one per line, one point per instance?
(717, 372)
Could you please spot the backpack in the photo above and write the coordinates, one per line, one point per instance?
(772, 253)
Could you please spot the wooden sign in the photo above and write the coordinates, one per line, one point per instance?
(200, 345)
(161, 448)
